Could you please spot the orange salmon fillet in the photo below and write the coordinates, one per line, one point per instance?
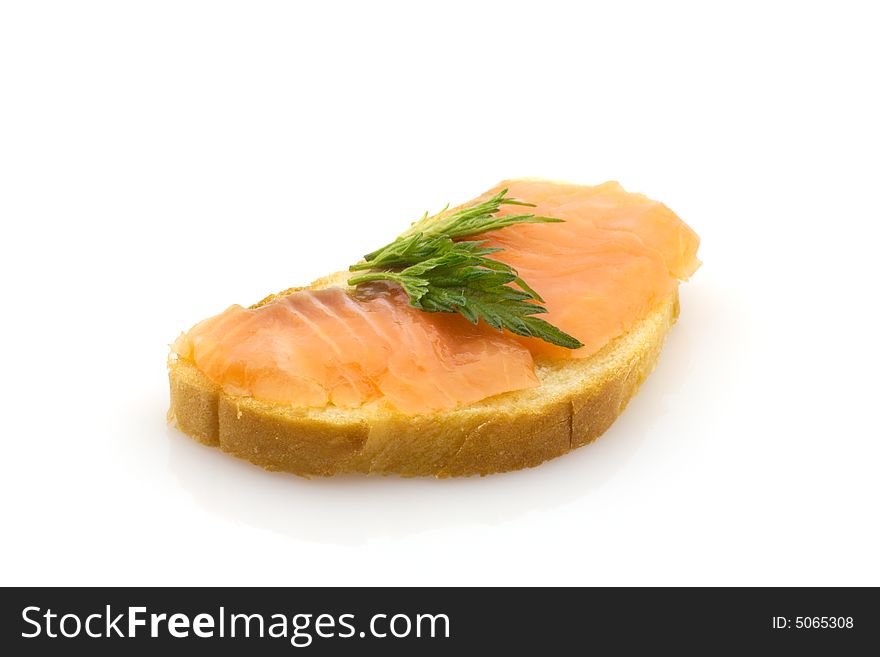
(614, 259)
(319, 347)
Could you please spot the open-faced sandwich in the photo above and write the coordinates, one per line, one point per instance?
(489, 337)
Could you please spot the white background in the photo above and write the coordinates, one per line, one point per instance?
(161, 160)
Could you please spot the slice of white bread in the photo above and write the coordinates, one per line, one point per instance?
(575, 403)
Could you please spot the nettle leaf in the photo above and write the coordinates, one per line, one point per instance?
(477, 219)
(440, 274)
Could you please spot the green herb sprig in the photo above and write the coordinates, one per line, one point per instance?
(440, 274)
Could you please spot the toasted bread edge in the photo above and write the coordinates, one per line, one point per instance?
(576, 403)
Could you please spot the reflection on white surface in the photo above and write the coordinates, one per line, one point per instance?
(352, 510)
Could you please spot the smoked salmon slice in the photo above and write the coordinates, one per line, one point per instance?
(320, 347)
(615, 258)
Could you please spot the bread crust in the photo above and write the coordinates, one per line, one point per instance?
(577, 401)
